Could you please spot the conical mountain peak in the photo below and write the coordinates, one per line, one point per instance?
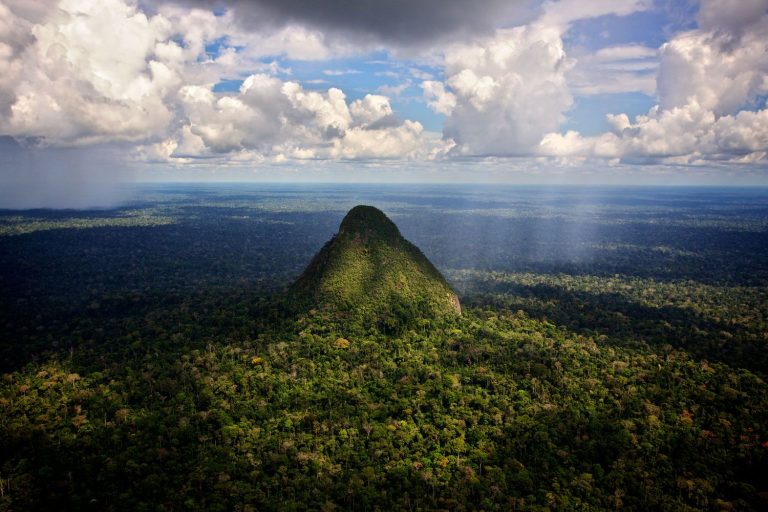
(369, 269)
(367, 221)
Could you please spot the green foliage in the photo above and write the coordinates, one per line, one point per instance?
(370, 272)
(611, 355)
(20, 225)
(493, 407)
(722, 323)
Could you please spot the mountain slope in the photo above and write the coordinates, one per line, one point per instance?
(370, 270)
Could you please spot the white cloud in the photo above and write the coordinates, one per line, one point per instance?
(615, 69)
(61, 85)
(282, 119)
(438, 99)
(71, 88)
(371, 110)
(398, 142)
(561, 13)
(420, 74)
(504, 93)
(624, 53)
(394, 90)
(710, 67)
(66, 86)
(683, 134)
(15, 36)
(341, 72)
(294, 42)
(707, 81)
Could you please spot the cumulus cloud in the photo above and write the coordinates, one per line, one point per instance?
(708, 66)
(153, 85)
(67, 87)
(509, 90)
(504, 92)
(687, 134)
(708, 80)
(15, 37)
(273, 118)
(438, 99)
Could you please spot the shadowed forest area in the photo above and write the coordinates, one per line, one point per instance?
(611, 354)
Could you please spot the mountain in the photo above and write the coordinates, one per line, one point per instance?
(369, 270)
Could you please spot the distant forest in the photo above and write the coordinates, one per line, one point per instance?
(611, 354)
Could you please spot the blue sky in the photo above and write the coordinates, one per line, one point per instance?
(633, 91)
(381, 71)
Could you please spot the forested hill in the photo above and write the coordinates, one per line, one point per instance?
(370, 271)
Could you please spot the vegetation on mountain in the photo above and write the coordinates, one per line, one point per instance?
(368, 270)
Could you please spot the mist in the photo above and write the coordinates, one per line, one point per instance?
(61, 178)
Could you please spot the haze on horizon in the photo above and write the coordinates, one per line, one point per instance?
(96, 93)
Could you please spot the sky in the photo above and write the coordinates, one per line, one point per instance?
(98, 92)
